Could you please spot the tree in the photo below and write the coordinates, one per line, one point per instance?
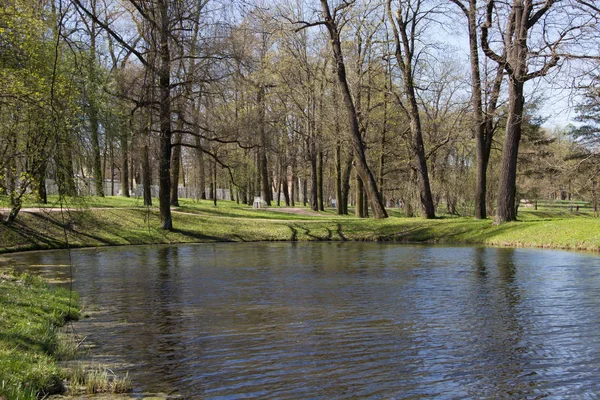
(405, 24)
(483, 120)
(526, 23)
(362, 168)
(39, 100)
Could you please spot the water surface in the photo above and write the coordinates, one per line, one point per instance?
(341, 320)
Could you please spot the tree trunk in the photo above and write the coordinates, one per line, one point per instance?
(506, 210)
(304, 192)
(279, 183)
(314, 199)
(382, 155)
(346, 184)
(200, 165)
(478, 120)
(146, 180)
(64, 170)
(41, 182)
(338, 179)
(111, 152)
(294, 187)
(286, 189)
(214, 182)
(250, 194)
(594, 197)
(427, 207)
(164, 83)
(359, 211)
(97, 167)
(320, 195)
(262, 162)
(175, 168)
(124, 164)
(93, 112)
(132, 174)
(211, 188)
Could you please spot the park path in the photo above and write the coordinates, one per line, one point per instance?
(297, 211)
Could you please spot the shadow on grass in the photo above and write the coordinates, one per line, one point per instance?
(40, 230)
(340, 233)
(249, 213)
(469, 232)
(25, 342)
(35, 237)
(294, 228)
(202, 237)
(532, 216)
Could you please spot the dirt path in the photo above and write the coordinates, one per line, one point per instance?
(297, 211)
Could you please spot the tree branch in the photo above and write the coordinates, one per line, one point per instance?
(116, 36)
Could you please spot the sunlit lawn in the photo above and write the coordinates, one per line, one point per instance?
(94, 221)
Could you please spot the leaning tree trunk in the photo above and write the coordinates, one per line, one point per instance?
(362, 167)
(404, 35)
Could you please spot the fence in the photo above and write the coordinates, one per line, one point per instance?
(87, 187)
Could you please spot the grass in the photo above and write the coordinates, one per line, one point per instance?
(30, 314)
(114, 221)
(31, 344)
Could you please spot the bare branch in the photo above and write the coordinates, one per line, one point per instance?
(115, 35)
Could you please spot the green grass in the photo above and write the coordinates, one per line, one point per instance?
(122, 221)
(78, 202)
(30, 314)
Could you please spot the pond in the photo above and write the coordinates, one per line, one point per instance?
(341, 320)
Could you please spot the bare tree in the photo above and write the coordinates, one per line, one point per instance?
(405, 25)
(531, 44)
(483, 120)
(331, 22)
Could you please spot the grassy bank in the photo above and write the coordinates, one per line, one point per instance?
(30, 314)
(126, 221)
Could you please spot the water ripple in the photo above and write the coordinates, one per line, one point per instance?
(344, 320)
